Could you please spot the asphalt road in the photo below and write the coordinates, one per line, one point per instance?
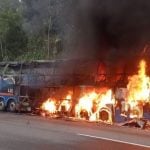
(23, 132)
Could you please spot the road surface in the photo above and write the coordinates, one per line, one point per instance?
(24, 132)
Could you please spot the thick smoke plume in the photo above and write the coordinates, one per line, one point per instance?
(100, 29)
(108, 29)
(39, 14)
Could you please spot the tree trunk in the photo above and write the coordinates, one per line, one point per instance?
(1, 47)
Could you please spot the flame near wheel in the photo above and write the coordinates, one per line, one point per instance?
(84, 114)
(105, 114)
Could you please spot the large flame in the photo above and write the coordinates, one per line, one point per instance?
(138, 90)
(86, 103)
(54, 105)
(49, 106)
(92, 103)
(103, 100)
(106, 98)
(138, 86)
(66, 103)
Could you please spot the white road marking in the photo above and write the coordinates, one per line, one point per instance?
(113, 140)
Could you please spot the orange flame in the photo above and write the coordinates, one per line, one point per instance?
(138, 89)
(91, 100)
(66, 103)
(86, 103)
(106, 98)
(49, 106)
(138, 86)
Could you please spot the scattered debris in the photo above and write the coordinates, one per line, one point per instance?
(138, 123)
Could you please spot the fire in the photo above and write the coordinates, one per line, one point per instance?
(69, 97)
(49, 106)
(139, 84)
(85, 104)
(66, 103)
(106, 98)
(104, 110)
(90, 105)
(138, 90)
(97, 104)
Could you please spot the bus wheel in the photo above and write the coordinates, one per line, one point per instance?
(11, 106)
(2, 105)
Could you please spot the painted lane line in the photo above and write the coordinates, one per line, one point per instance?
(113, 140)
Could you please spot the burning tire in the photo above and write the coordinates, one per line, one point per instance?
(11, 106)
(84, 114)
(2, 105)
(105, 114)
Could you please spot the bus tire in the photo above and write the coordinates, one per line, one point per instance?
(11, 106)
(2, 105)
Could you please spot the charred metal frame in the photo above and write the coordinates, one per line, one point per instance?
(56, 78)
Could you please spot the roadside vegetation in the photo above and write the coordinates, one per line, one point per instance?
(18, 41)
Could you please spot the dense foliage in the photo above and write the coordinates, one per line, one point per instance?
(18, 41)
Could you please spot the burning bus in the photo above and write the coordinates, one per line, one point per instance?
(99, 103)
(86, 91)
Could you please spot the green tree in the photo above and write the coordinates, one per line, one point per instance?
(13, 39)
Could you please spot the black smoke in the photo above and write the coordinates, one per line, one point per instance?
(102, 29)
(108, 29)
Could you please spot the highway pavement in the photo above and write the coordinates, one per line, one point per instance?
(25, 132)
